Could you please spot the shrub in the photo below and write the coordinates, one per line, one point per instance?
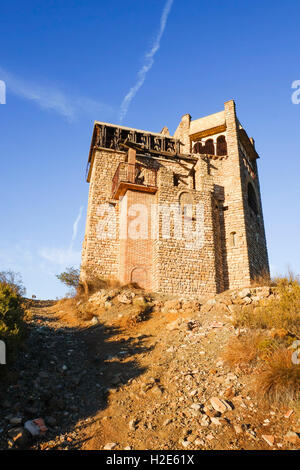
(283, 311)
(70, 277)
(12, 325)
(262, 280)
(14, 280)
(279, 380)
(266, 347)
(92, 282)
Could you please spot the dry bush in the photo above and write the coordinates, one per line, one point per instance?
(262, 280)
(243, 351)
(279, 380)
(283, 311)
(12, 321)
(92, 283)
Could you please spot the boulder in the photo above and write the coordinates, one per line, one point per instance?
(110, 446)
(172, 305)
(175, 325)
(269, 439)
(220, 405)
(292, 437)
(125, 297)
(190, 305)
(263, 292)
(244, 293)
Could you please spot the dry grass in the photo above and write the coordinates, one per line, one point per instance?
(274, 325)
(243, 351)
(74, 313)
(279, 380)
(262, 280)
(247, 349)
(93, 282)
(67, 307)
(283, 311)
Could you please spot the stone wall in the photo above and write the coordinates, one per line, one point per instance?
(181, 268)
(101, 255)
(234, 250)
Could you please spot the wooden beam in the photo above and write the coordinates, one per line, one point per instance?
(207, 132)
(128, 144)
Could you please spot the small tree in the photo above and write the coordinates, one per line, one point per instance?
(13, 280)
(70, 277)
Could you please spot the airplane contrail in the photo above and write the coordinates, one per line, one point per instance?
(75, 227)
(149, 61)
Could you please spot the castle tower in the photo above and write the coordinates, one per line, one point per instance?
(180, 215)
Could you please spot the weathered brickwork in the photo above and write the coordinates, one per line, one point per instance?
(139, 179)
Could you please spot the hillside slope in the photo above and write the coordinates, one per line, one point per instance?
(128, 370)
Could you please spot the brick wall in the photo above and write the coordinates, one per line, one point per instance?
(136, 254)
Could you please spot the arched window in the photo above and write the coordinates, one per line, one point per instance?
(198, 147)
(252, 200)
(209, 147)
(221, 145)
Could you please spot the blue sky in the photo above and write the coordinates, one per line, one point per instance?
(68, 63)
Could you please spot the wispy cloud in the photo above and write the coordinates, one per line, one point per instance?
(39, 268)
(60, 256)
(50, 98)
(15, 258)
(64, 256)
(75, 227)
(148, 62)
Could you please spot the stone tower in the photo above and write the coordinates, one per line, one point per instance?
(179, 215)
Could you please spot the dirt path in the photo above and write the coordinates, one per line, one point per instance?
(147, 386)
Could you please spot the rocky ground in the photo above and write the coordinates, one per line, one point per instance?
(129, 380)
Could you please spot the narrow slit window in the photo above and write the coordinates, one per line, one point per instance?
(233, 239)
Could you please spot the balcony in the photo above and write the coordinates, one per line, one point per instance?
(135, 177)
